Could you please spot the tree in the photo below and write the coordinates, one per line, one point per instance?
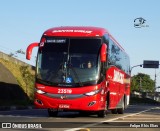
(142, 82)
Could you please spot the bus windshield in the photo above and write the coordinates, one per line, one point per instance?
(69, 61)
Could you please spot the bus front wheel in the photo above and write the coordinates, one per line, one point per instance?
(102, 113)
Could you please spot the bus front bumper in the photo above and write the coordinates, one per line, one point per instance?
(85, 103)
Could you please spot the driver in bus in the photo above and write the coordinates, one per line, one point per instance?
(86, 65)
(89, 65)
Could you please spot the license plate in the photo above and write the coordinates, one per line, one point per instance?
(64, 106)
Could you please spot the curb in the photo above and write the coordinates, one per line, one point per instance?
(147, 104)
(8, 108)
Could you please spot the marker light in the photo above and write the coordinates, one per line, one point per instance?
(43, 40)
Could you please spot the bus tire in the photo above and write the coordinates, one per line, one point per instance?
(121, 110)
(114, 111)
(102, 113)
(52, 113)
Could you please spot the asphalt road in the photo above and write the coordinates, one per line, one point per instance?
(141, 117)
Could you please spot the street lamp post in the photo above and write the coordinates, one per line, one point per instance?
(131, 71)
(155, 79)
(134, 67)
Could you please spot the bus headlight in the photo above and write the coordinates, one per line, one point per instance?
(92, 93)
(40, 91)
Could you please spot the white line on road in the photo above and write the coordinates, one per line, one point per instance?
(109, 120)
(140, 118)
(136, 121)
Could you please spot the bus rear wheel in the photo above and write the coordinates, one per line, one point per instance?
(52, 112)
(114, 111)
(121, 110)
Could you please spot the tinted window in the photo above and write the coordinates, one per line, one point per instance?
(118, 57)
(69, 61)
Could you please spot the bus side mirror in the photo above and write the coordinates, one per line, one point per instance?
(29, 50)
(103, 53)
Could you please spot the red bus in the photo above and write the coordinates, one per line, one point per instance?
(81, 69)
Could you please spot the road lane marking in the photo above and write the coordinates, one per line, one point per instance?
(109, 120)
(135, 121)
(141, 118)
(20, 116)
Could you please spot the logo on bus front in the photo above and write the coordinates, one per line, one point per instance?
(63, 97)
(74, 31)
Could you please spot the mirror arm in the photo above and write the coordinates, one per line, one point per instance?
(29, 50)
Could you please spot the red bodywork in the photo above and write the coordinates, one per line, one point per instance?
(76, 100)
(114, 87)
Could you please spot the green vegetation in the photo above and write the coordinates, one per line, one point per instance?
(25, 78)
(28, 79)
(142, 82)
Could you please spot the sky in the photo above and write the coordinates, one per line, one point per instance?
(24, 21)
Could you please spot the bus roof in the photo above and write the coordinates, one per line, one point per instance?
(79, 31)
(75, 31)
